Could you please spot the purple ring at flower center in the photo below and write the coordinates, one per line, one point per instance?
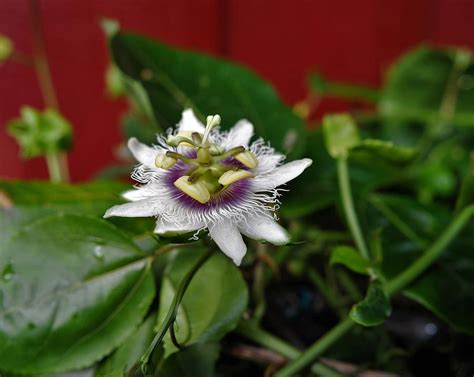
(229, 196)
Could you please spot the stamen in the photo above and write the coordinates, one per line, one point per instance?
(164, 162)
(232, 176)
(248, 159)
(181, 138)
(195, 190)
(178, 156)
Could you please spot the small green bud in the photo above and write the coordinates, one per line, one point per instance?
(6, 48)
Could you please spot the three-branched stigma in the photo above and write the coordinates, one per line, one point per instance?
(199, 177)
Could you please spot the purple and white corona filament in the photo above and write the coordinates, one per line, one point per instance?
(198, 177)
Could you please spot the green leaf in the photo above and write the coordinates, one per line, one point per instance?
(195, 361)
(374, 309)
(340, 134)
(349, 257)
(447, 288)
(213, 302)
(73, 288)
(44, 198)
(431, 85)
(129, 352)
(87, 198)
(371, 150)
(135, 126)
(176, 79)
(41, 133)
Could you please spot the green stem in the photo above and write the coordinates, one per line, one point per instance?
(397, 221)
(432, 254)
(173, 311)
(348, 205)
(57, 164)
(349, 285)
(54, 168)
(250, 330)
(316, 349)
(326, 291)
(350, 91)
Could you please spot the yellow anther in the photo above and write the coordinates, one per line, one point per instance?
(232, 176)
(248, 159)
(164, 162)
(195, 190)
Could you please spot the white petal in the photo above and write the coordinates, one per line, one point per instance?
(143, 153)
(264, 228)
(280, 175)
(239, 135)
(227, 236)
(140, 208)
(190, 123)
(163, 226)
(268, 162)
(133, 195)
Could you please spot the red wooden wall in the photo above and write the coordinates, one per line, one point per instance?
(280, 39)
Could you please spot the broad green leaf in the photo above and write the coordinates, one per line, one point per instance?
(94, 198)
(340, 134)
(129, 352)
(213, 302)
(197, 360)
(88, 198)
(371, 150)
(349, 257)
(176, 79)
(135, 126)
(73, 288)
(41, 133)
(374, 309)
(431, 85)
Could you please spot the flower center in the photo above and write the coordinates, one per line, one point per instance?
(209, 171)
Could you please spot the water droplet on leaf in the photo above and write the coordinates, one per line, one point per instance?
(98, 253)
